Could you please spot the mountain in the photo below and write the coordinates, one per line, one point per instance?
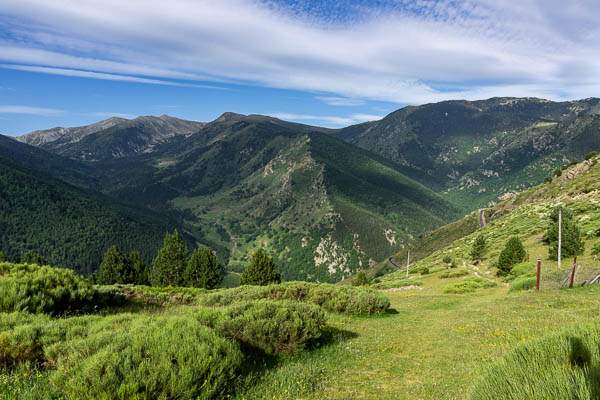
(70, 227)
(472, 152)
(322, 207)
(112, 138)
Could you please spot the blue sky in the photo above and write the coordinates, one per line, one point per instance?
(331, 63)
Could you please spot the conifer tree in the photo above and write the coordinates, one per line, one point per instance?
(479, 248)
(115, 268)
(203, 269)
(361, 279)
(139, 269)
(32, 257)
(169, 265)
(513, 253)
(260, 270)
(572, 244)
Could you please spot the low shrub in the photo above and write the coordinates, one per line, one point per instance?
(340, 299)
(269, 326)
(523, 283)
(469, 285)
(124, 356)
(562, 365)
(397, 284)
(43, 289)
(425, 271)
(454, 274)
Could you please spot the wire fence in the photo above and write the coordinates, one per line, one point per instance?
(552, 277)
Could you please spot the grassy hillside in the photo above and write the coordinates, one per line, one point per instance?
(70, 227)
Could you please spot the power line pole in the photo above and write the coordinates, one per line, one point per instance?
(407, 264)
(559, 235)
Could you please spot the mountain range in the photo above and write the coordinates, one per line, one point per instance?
(325, 202)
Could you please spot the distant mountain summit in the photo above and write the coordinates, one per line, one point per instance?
(112, 138)
(475, 151)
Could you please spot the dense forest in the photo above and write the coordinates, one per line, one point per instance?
(68, 226)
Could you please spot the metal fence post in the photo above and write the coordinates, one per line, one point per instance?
(539, 267)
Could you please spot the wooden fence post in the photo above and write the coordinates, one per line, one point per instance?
(539, 267)
(573, 272)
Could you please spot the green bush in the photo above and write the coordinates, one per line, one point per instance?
(361, 279)
(148, 357)
(270, 326)
(513, 253)
(562, 365)
(124, 356)
(523, 283)
(340, 299)
(425, 271)
(469, 285)
(43, 289)
(454, 274)
(397, 284)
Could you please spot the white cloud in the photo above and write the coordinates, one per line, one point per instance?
(327, 120)
(340, 101)
(46, 112)
(101, 114)
(414, 52)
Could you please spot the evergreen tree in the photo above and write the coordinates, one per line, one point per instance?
(572, 244)
(479, 248)
(2, 257)
(115, 268)
(513, 253)
(32, 257)
(169, 265)
(139, 269)
(203, 269)
(260, 270)
(361, 279)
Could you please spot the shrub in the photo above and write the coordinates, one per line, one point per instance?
(596, 249)
(2, 257)
(469, 285)
(560, 365)
(361, 279)
(523, 283)
(260, 270)
(43, 289)
(341, 299)
(135, 357)
(270, 326)
(397, 284)
(592, 155)
(454, 274)
(425, 271)
(513, 253)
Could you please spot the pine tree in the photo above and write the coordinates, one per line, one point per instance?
(139, 269)
(203, 269)
(513, 253)
(32, 257)
(115, 268)
(2, 257)
(479, 248)
(169, 265)
(572, 244)
(361, 279)
(260, 270)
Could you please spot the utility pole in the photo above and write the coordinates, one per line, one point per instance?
(539, 267)
(559, 235)
(407, 264)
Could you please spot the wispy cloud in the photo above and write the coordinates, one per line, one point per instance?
(327, 120)
(404, 51)
(104, 114)
(101, 75)
(46, 112)
(340, 101)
